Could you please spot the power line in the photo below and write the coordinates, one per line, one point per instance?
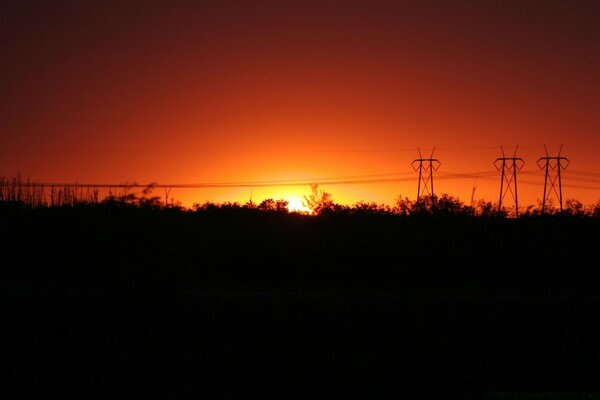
(583, 173)
(251, 151)
(426, 168)
(308, 182)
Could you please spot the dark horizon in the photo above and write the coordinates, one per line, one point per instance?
(228, 302)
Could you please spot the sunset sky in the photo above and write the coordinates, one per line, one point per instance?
(251, 91)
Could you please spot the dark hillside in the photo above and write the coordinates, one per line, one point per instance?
(239, 301)
(114, 248)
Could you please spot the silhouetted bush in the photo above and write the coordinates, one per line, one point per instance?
(594, 210)
(364, 208)
(318, 201)
(574, 208)
(488, 209)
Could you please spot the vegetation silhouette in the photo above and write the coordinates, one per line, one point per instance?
(26, 193)
(362, 300)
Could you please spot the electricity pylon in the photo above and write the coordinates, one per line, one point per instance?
(554, 164)
(509, 167)
(426, 168)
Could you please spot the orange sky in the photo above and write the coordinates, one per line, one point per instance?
(177, 92)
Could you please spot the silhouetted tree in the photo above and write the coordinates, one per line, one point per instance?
(595, 210)
(267, 205)
(279, 205)
(450, 205)
(403, 206)
(250, 205)
(318, 200)
(206, 206)
(489, 209)
(574, 208)
(536, 210)
(363, 207)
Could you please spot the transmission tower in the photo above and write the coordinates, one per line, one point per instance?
(426, 168)
(509, 167)
(552, 167)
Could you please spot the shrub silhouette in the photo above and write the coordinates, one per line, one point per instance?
(365, 208)
(318, 201)
(279, 205)
(574, 208)
(489, 210)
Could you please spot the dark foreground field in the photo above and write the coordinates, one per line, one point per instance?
(230, 304)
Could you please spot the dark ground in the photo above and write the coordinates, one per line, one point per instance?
(226, 304)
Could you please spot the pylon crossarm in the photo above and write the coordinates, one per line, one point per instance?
(519, 164)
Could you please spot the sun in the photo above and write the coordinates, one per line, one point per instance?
(296, 205)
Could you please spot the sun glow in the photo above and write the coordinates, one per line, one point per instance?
(296, 205)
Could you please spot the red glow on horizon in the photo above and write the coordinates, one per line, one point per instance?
(237, 92)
